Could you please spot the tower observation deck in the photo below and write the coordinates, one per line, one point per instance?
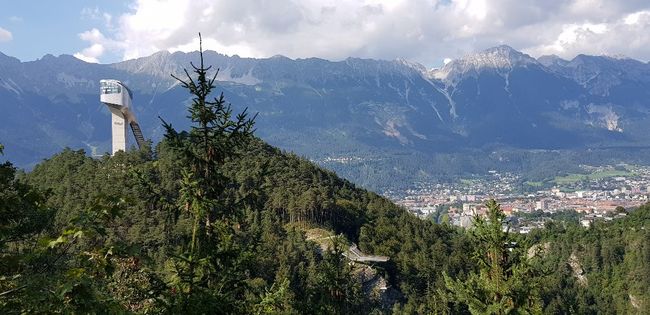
(118, 98)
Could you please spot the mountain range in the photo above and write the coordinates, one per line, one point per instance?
(352, 112)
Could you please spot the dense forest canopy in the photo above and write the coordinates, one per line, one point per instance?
(213, 220)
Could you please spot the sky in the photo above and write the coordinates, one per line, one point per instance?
(424, 31)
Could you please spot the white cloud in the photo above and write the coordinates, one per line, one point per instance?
(5, 35)
(422, 30)
(96, 14)
(91, 53)
(98, 45)
(627, 35)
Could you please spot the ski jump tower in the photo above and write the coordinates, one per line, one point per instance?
(117, 97)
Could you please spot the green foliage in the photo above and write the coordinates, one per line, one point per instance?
(258, 259)
(276, 300)
(336, 293)
(71, 270)
(603, 269)
(505, 283)
(209, 270)
(23, 213)
(213, 220)
(22, 217)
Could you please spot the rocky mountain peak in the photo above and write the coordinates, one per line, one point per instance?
(5, 58)
(552, 61)
(500, 58)
(158, 65)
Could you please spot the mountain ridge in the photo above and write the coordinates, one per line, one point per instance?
(354, 107)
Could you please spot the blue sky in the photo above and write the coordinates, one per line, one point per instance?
(425, 31)
(52, 27)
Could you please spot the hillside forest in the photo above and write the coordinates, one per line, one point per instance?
(212, 220)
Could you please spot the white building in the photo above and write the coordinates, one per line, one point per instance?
(541, 205)
(117, 97)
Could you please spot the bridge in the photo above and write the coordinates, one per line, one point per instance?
(353, 253)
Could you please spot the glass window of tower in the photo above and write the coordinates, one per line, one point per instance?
(110, 88)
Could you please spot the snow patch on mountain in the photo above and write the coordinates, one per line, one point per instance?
(247, 79)
(452, 103)
(71, 81)
(10, 85)
(445, 93)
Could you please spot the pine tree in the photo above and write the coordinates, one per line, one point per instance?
(505, 283)
(214, 137)
(206, 273)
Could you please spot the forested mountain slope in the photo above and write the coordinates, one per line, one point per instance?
(283, 196)
(214, 220)
(211, 220)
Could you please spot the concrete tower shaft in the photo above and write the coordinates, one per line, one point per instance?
(118, 132)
